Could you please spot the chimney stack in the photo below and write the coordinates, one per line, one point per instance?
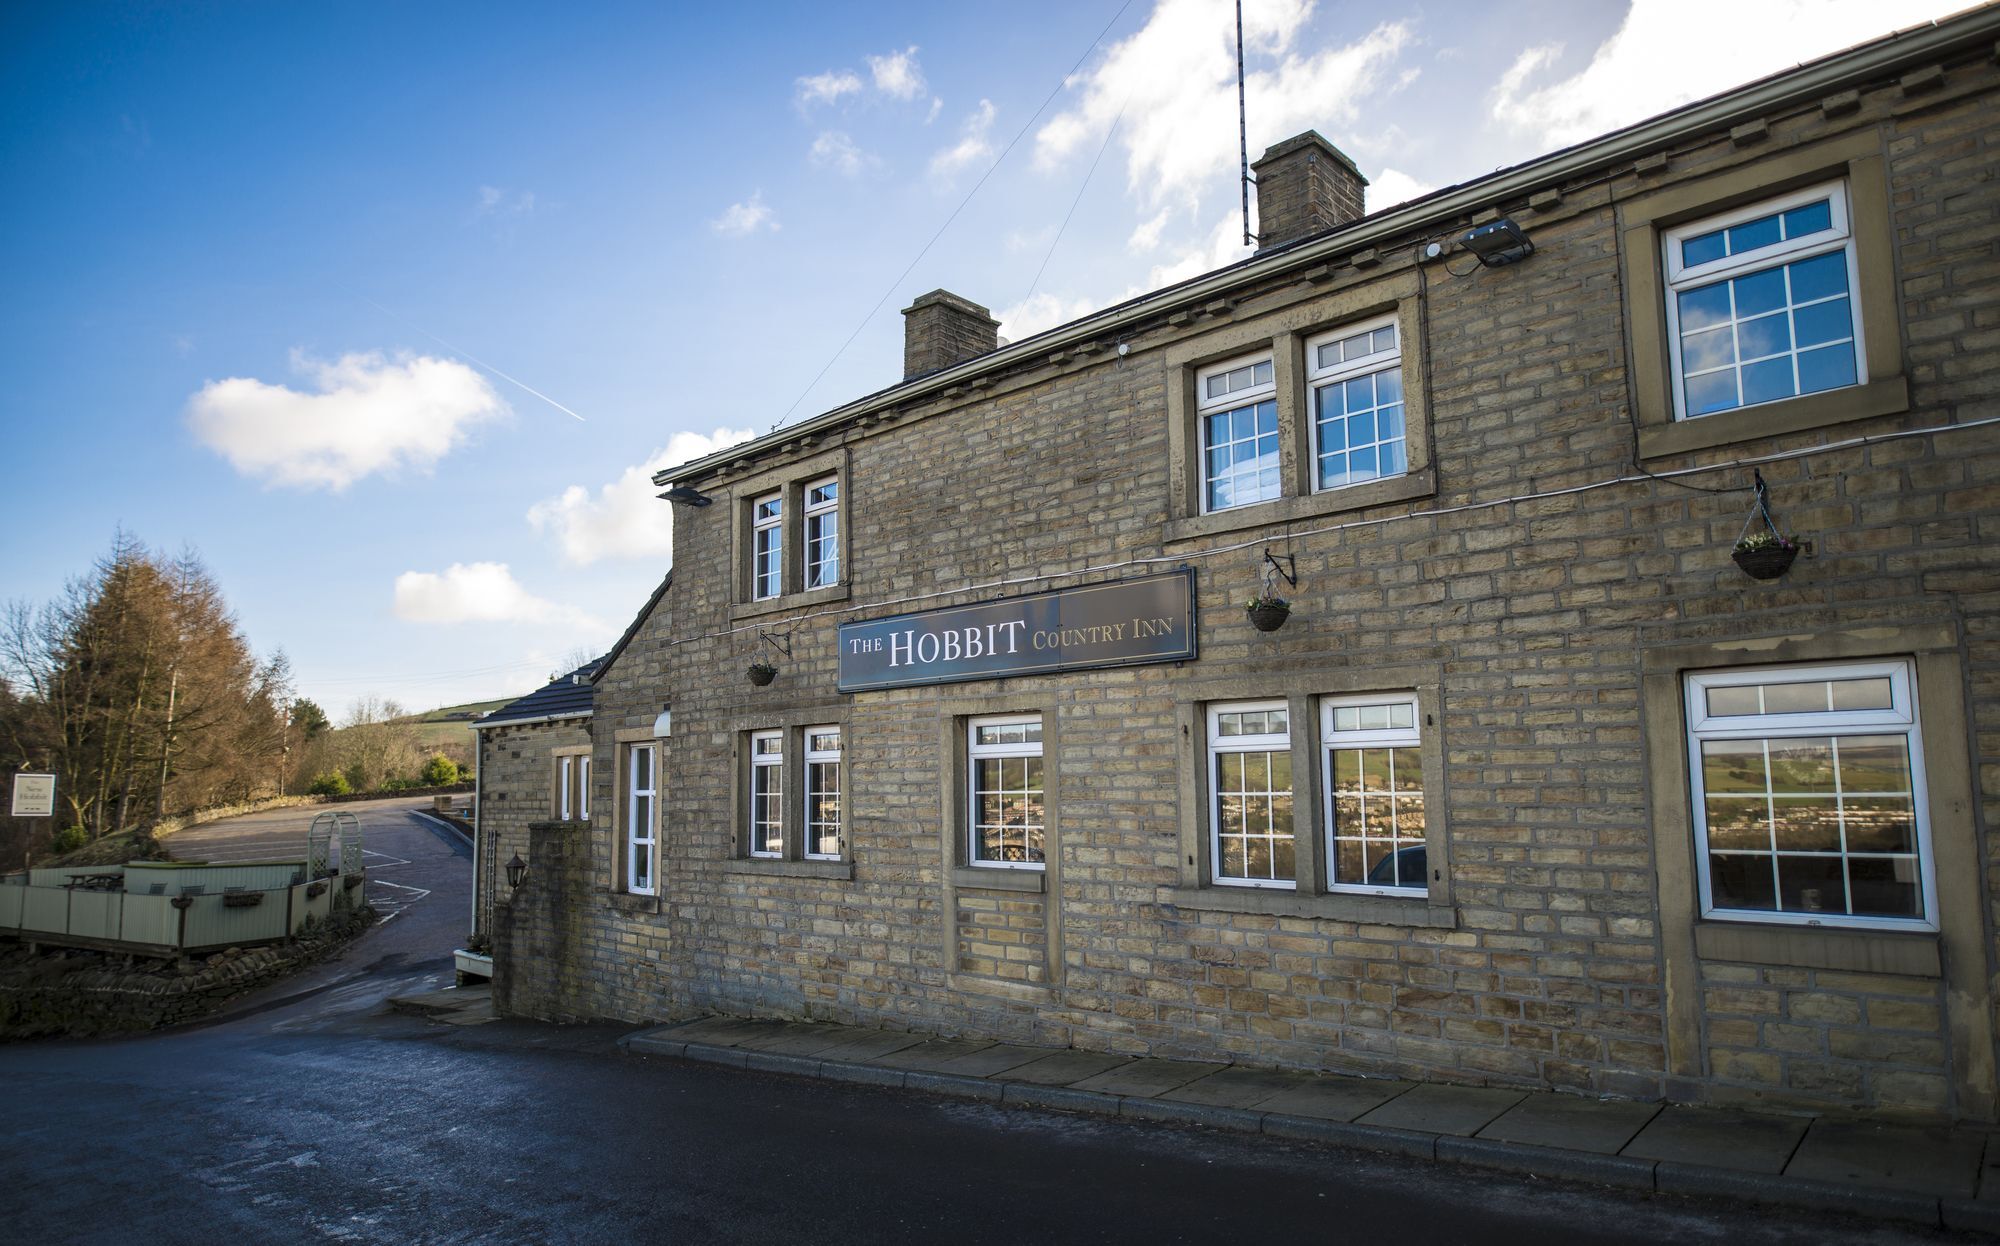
(941, 329)
(1305, 186)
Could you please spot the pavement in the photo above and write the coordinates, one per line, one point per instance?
(1932, 1175)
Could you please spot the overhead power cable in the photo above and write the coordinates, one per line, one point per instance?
(911, 267)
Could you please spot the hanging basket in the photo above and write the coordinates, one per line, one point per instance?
(1766, 562)
(1268, 616)
(762, 673)
(1765, 554)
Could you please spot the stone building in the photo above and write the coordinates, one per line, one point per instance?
(1534, 786)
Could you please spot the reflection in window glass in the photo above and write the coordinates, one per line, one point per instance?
(1005, 787)
(1823, 825)
(1250, 782)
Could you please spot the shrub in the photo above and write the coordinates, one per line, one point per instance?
(332, 783)
(69, 839)
(440, 771)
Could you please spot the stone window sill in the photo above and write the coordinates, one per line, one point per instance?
(1421, 483)
(978, 878)
(789, 869)
(1914, 954)
(790, 601)
(634, 902)
(1883, 397)
(1365, 910)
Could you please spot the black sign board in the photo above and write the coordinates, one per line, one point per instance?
(1122, 623)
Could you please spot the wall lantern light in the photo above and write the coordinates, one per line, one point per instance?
(517, 872)
(687, 495)
(1498, 242)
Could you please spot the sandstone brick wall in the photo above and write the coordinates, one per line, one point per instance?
(516, 788)
(1539, 614)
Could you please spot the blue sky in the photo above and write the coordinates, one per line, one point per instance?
(322, 290)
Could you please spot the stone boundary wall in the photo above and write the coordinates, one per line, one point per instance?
(40, 997)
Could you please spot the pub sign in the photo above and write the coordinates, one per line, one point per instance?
(1120, 623)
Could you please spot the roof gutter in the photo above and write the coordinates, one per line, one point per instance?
(1790, 87)
(523, 722)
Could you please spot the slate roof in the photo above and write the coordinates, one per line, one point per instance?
(568, 696)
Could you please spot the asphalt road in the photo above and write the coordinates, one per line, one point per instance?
(313, 1113)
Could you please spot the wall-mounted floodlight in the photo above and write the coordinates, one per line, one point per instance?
(687, 495)
(1498, 242)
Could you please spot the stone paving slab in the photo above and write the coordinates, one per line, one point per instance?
(931, 1053)
(797, 1038)
(1744, 1141)
(1234, 1087)
(868, 1046)
(1989, 1173)
(1145, 1078)
(1063, 1068)
(1460, 1110)
(1330, 1098)
(716, 1031)
(1574, 1124)
(997, 1058)
(1921, 1159)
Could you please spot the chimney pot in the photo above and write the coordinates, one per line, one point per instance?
(941, 329)
(1305, 186)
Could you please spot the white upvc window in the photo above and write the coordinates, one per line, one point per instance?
(1236, 407)
(1006, 818)
(767, 794)
(823, 835)
(583, 788)
(1355, 374)
(1809, 797)
(767, 546)
(565, 786)
(822, 534)
(1250, 795)
(1374, 794)
(641, 839)
(1760, 303)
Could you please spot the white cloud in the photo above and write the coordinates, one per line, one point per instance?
(973, 146)
(827, 88)
(1392, 186)
(363, 414)
(1146, 235)
(1175, 82)
(897, 75)
(626, 518)
(1667, 54)
(937, 106)
(499, 202)
(834, 149)
(1223, 246)
(1041, 311)
(480, 592)
(740, 220)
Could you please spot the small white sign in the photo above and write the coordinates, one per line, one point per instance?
(34, 795)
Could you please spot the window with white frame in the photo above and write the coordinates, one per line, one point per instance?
(822, 794)
(641, 838)
(1374, 794)
(1355, 375)
(1808, 785)
(1007, 817)
(1760, 303)
(1236, 406)
(573, 787)
(1250, 795)
(822, 535)
(767, 802)
(767, 546)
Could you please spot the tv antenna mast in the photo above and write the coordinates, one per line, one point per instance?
(1243, 130)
